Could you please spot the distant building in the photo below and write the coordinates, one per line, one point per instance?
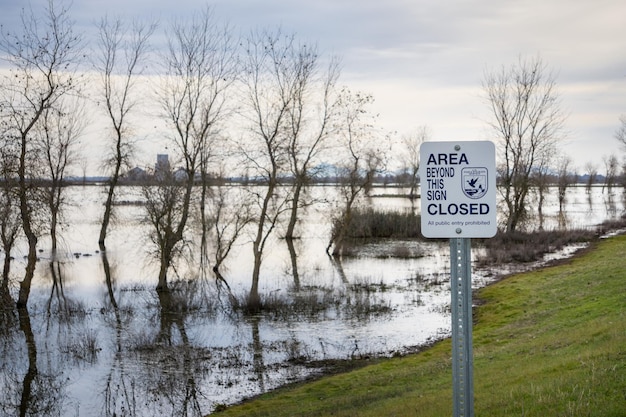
(136, 175)
(180, 175)
(162, 164)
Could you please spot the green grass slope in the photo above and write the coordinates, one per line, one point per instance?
(546, 343)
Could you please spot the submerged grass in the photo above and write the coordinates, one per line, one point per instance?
(549, 342)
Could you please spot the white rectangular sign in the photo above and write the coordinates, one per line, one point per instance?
(458, 189)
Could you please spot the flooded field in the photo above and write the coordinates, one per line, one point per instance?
(97, 338)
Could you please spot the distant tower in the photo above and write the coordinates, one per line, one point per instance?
(162, 165)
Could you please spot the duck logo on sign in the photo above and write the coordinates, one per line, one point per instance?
(474, 182)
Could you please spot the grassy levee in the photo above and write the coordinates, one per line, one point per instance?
(551, 342)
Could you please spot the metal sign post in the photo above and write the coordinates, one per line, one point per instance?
(458, 201)
(462, 358)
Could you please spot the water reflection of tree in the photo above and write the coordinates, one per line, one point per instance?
(57, 291)
(337, 264)
(167, 388)
(174, 381)
(119, 388)
(62, 314)
(611, 206)
(562, 220)
(257, 352)
(66, 316)
(39, 392)
(9, 225)
(31, 373)
(168, 361)
(589, 203)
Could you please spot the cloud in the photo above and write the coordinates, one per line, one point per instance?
(424, 59)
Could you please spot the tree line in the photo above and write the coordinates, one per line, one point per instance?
(265, 102)
(280, 93)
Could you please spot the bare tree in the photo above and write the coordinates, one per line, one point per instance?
(164, 211)
(620, 134)
(57, 137)
(565, 178)
(311, 113)
(361, 157)
(611, 165)
(411, 155)
(41, 59)
(269, 85)
(541, 179)
(592, 172)
(122, 51)
(200, 67)
(528, 123)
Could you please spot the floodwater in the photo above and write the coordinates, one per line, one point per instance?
(99, 340)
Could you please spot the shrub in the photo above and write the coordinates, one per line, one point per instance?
(372, 224)
(529, 246)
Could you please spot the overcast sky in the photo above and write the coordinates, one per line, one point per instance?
(424, 60)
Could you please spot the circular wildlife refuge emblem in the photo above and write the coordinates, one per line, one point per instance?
(474, 181)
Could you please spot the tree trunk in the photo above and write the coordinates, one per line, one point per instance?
(343, 231)
(293, 219)
(511, 224)
(294, 264)
(53, 229)
(254, 299)
(166, 260)
(25, 212)
(413, 184)
(6, 270)
(108, 207)
(6, 302)
(203, 221)
(346, 217)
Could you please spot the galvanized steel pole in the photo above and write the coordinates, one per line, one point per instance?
(462, 357)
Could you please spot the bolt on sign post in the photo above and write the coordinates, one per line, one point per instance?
(458, 201)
